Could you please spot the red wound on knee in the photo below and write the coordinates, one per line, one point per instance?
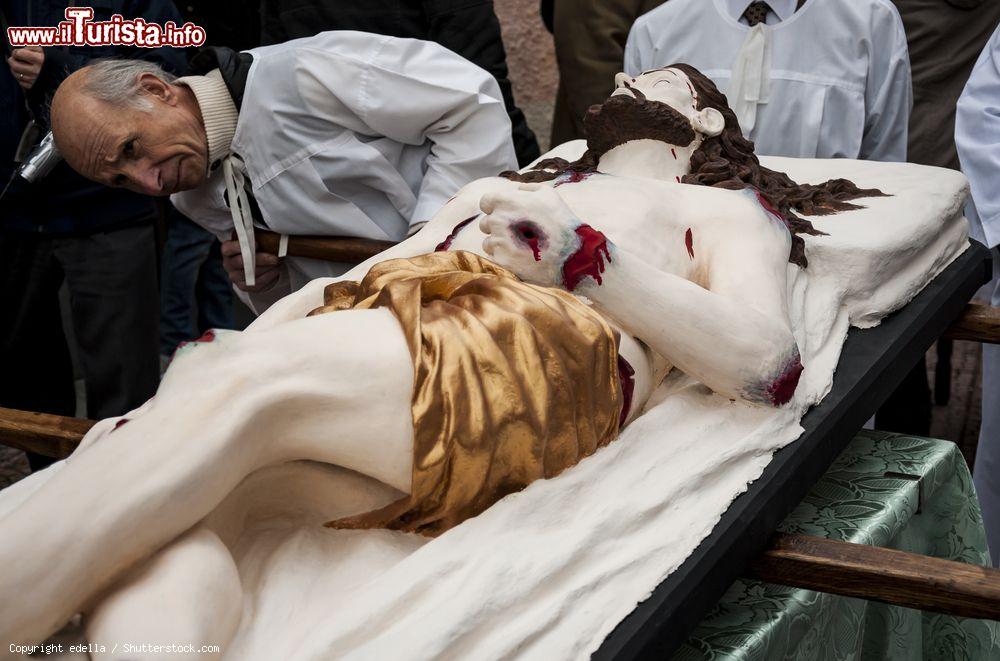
(781, 389)
(589, 258)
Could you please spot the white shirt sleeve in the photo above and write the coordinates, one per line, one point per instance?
(888, 92)
(637, 48)
(977, 136)
(416, 92)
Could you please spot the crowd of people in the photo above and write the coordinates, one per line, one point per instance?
(367, 133)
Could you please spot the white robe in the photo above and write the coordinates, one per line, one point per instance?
(356, 134)
(839, 72)
(977, 136)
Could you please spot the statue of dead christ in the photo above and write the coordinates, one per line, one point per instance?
(514, 335)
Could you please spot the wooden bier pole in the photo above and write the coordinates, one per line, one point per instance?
(49, 435)
(977, 323)
(879, 574)
(326, 248)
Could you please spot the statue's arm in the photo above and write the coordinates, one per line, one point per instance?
(736, 338)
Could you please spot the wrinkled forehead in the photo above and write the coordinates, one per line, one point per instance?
(88, 136)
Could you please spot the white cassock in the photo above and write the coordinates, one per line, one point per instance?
(831, 80)
(355, 134)
(977, 136)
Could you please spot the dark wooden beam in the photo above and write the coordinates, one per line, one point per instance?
(878, 574)
(50, 435)
(326, 248)
(977, 323)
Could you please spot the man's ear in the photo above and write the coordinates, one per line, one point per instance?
(709, 122)
(153, 86)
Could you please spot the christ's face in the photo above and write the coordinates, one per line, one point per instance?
(669, 86)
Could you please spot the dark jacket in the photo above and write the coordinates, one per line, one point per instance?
(65, 203)
(945, 38)
(467, 27)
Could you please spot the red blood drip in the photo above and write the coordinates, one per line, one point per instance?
(782, 389)
(768, 207)
(574, 178)
(588, 259)
(626, 377)
(689, 242)
(124, 420)
(446, 244)
(674, 152)
(528, 233)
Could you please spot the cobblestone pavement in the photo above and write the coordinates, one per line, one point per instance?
(958, 421)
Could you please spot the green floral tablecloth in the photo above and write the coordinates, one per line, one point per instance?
(868, 496)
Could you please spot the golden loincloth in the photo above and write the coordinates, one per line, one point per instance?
(512, 383)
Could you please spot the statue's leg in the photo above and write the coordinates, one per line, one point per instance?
(333, 388)
(188, 593)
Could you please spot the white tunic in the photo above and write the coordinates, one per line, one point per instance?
(977, 137)
(356, 134)
(839, 72)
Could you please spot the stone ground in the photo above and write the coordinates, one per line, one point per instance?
(958, 421)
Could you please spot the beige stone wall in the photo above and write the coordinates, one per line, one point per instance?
(532, 62)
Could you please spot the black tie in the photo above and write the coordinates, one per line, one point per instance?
(756, 13)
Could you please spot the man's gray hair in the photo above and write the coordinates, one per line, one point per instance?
(117, 82)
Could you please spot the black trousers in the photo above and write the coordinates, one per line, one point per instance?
(908, 409)
(111, 278)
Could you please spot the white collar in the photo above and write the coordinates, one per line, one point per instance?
(218, 114)
(783, 9)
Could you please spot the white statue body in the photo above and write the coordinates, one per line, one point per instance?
(693, 276)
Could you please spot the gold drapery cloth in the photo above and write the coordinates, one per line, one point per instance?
(512, 382)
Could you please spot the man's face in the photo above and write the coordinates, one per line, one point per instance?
(154, 153)
(669, 86)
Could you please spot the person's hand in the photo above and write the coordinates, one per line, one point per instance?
(266, 273)
(26, 64)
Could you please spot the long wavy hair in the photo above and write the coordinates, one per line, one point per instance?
(728, 161)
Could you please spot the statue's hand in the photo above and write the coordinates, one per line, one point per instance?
(530, 231)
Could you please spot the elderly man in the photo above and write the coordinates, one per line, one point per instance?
(65, 230)
(345, 133)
